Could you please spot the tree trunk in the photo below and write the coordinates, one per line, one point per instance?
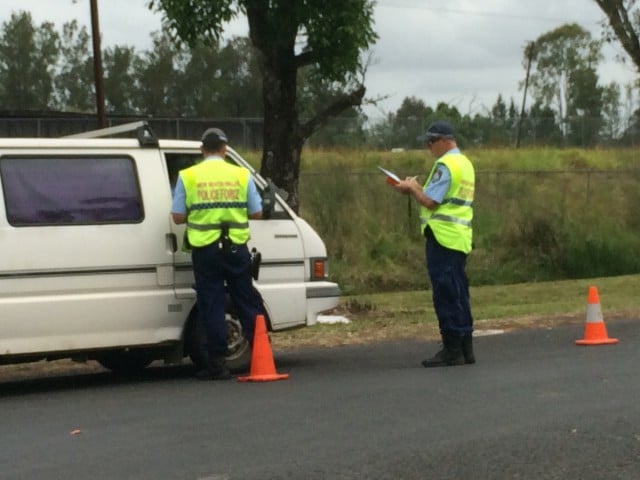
(275, 38)
(622, 21)
(282, 139)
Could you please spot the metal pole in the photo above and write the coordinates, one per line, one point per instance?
(530, 52)
(97, 65)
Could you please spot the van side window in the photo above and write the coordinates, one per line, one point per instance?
(70, 190)
(177, 162)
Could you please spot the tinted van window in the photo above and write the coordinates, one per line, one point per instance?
(70, 190)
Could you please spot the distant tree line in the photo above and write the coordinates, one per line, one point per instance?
(44, 69)
(568, 104)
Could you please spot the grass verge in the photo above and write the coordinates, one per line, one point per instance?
(398, 315)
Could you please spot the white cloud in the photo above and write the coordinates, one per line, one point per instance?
(465, 52)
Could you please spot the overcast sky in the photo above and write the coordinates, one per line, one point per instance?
(462, 52)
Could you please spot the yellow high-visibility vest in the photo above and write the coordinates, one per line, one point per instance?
(216, 193)
(451, 220)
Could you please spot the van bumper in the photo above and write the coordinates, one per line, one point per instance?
(321, 296)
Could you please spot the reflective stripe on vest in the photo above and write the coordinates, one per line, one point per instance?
(216, 194)
(451, 220)
(216, 226)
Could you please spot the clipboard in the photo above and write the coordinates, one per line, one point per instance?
(392, 179)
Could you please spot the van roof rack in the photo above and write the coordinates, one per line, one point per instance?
(146, 136)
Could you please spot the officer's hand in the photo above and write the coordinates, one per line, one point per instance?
(407, 185)
(402, 186)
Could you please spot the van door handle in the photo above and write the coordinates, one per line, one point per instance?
(172, 242)
(286, 235)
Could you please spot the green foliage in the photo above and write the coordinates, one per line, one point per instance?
(276, 24)
(158, 79)
(623, 25)
(238, 67)
(191, 20)
(343, 132)
(315, 92)
(409, 122)
(601, 255)
(73, 91)
(585, 107)
(499, 128)
(119, 67)
(564, 77)
(27, 55)
(335, 36)
(612, 111)
(367, 249)
(41, 69)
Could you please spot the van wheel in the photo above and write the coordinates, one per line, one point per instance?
(125, 362)
(239, 351)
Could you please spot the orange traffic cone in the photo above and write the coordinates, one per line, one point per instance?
(263, 368)
(595, 331)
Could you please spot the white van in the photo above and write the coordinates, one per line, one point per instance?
(92, 265)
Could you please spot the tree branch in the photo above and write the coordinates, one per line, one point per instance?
(622, 27)
(352, 99)
(306, 58)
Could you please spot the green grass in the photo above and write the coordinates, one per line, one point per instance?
(411, 161)
(398, 315)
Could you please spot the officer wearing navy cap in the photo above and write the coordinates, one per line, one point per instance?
(445, 220)
(216, 200)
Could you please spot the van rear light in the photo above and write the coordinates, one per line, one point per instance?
(319, 268)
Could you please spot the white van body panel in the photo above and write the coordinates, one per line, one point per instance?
(78, 288)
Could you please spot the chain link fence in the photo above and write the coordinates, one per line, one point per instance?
(376, 133)
(528, 226)
(245, 132)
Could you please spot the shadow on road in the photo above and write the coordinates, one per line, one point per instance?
(73, 380)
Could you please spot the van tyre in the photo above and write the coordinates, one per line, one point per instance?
(238, 350)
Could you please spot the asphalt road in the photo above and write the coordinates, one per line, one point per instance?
(535, 406)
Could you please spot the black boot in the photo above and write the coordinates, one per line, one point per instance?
(216, 369)
(450, 355)
(467, 349)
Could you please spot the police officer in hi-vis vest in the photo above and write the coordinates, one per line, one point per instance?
(216, 199)
(445, 220)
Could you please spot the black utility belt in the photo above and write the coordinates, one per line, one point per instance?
(221, 244)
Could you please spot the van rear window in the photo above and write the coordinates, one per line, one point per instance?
(70, 190)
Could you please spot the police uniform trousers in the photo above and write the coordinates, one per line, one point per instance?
(450, 287)
(213, 266)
